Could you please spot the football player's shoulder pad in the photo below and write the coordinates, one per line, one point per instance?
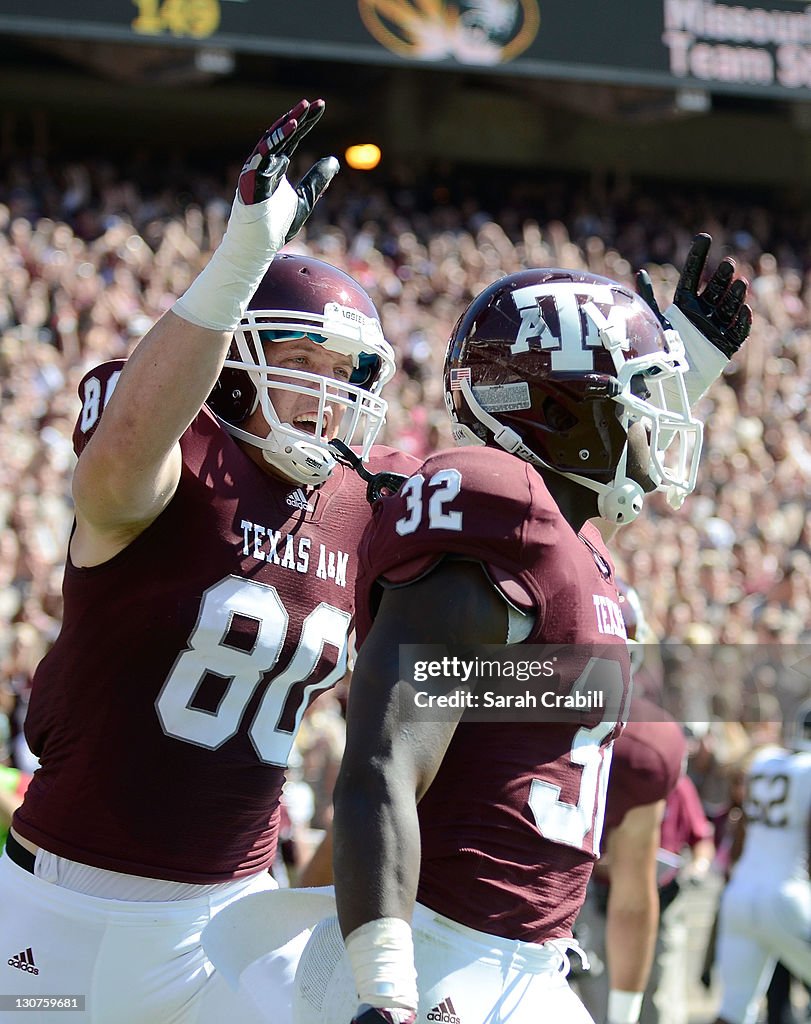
(478, 503)
(383, 459)
(95, 389)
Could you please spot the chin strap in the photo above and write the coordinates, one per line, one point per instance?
(298, 461)
(378, 485)
(618, 503)
(621, 504)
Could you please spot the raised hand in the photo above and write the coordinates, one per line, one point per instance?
(719, 311)
(267, 165)
(267, 212)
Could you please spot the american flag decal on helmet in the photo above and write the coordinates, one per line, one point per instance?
(457, 376)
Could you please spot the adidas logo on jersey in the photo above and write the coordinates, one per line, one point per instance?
(298, 499)
(444, 1013)
(24, 961)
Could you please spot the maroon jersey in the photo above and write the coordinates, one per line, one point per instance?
(684, 824)
(647, 761)
(510, 826)
(164, 714)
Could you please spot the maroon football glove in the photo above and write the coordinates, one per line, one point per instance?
(268, 163)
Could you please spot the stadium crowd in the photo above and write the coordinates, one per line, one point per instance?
(90, 258)
(92, 254)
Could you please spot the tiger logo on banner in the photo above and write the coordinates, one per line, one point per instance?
(484, 32)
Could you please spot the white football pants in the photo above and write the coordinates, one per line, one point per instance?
(298, 969)
(758, 926)
(133, 962)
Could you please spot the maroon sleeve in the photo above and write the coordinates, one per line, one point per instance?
(95, 389)
(480, 504)
(647, 761)
(696, 826)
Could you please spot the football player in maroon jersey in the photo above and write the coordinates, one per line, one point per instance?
(208, 594)
(481, 836)
(622, 909)
(570, 392)
(620, 917)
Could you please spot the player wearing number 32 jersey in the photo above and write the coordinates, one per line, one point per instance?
(463, 843)
(509, 854)
(209, 593)
(569, 399)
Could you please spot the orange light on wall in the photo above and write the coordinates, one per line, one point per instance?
(363, 157)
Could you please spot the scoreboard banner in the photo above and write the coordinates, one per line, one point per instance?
(756, 49)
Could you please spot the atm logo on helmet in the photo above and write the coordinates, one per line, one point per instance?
(444, 1013)
(566, 319)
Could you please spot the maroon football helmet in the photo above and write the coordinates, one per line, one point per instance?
(554, 365)
(302, 297)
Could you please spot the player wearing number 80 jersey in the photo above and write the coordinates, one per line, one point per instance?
(214, 628)
(208, 596)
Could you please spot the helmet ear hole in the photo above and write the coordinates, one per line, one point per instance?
(233, 397)
(557, 418)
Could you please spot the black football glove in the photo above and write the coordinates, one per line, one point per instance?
(719, 311)
(268, 163)
(366, 1014)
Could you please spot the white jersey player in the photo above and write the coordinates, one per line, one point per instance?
(766, 908)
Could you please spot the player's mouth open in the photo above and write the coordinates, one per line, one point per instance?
(309, 424)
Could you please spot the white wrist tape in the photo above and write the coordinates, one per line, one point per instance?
(706, 361)
(220, 293)
(381, 953)
(624, 1007)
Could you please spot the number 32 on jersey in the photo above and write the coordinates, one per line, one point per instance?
(577, 824)
(433, 497)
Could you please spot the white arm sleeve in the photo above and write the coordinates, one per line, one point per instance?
(706, 361)
(220, 293)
